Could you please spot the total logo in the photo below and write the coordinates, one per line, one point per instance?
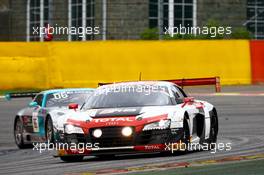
(121, 119)
(151, 147)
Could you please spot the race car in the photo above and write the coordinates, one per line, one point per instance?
(35, 123)
(131, 117)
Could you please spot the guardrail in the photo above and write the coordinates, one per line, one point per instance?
(9, 96)
(192, 82)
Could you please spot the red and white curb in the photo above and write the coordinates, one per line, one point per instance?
(166, 166)
(242, 94)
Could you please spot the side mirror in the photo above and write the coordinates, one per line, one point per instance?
(73, 106)
(33, 104)
(188, 99)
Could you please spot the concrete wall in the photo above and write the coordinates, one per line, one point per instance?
(126, 19)
(59, 16)
(85, 64)
(227, 12)
(4, 20)
(18, 26)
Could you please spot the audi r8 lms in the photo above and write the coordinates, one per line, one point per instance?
(150, 116)
(35, 123)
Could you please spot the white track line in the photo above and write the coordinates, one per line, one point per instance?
(229, 94)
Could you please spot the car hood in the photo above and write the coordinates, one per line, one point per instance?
(108, 112)
(128, 116)
(137, 112)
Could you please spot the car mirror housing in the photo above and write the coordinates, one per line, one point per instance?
(73, 106)
(33, 104)
(188, 99)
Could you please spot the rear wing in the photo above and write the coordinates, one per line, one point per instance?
(9, 96)
(198, 82)
(192, 82)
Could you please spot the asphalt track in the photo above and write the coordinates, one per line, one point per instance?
(241, 121)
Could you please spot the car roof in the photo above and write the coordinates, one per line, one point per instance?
(66, 90)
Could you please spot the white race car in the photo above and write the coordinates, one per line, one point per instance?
(37, 121)
(145, 116)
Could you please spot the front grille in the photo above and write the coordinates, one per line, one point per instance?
(75, 138)
(154, 136)
(112, 137)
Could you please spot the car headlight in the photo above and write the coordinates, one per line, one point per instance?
(97, 133)
(162, 124)
(71, 129)
(127, 131)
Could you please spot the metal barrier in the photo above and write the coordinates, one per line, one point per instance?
(9, 96)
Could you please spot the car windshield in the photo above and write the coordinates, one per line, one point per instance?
(130, 96)
(61, 99)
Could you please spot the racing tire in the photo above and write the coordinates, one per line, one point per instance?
(185, 139)
(18, 134)
(213, 130)
(186, 135)
(72, 158)
(49, 130)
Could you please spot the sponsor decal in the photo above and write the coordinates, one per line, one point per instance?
(109, 111)
(152, 147)
(120, 119)
(111, 123)
(27, 120)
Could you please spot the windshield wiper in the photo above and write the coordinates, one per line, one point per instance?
(82, 105)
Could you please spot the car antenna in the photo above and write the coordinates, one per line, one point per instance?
(139, 76)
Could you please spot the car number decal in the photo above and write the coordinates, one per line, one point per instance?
(35, 121)
(61, 95)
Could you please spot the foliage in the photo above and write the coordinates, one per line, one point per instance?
(241, 33)
(150, 34)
